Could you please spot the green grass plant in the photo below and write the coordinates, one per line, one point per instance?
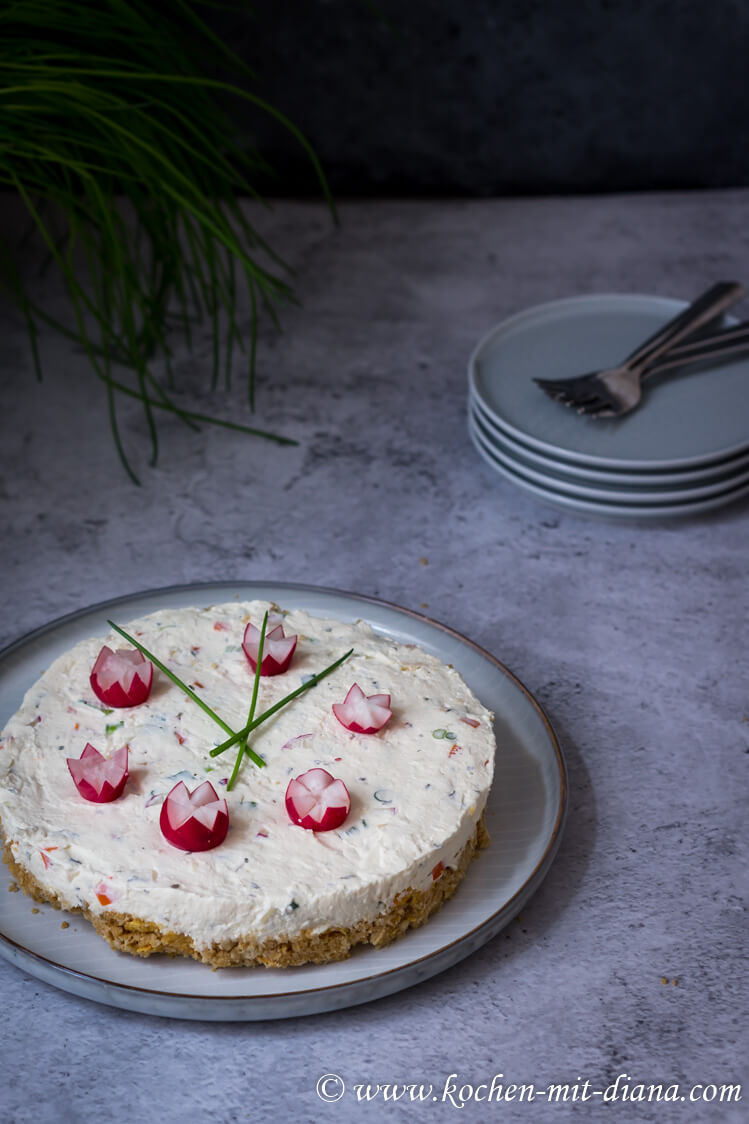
(123, 150)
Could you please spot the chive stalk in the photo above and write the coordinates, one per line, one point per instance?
(243, 746)
(183, 687)
(131, 172)
(253, 725)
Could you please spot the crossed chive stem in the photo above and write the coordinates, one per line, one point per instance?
(243, 746)
(252, 723)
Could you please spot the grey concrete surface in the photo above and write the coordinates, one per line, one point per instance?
(632, 637)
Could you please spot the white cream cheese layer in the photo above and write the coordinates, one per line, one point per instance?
(418, 787)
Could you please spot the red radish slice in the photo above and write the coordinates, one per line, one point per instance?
(121, 678)
(363, 714)
(98, 778)
(194, 821)
(296, 738)
(317, 801)
(277, 649)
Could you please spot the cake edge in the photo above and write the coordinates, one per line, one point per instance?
(138, 937)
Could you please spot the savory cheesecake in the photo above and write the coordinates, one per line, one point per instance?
(270, 891)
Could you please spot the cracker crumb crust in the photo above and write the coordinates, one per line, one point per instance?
(138, 937)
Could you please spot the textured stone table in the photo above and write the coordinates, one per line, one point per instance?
(632, 637)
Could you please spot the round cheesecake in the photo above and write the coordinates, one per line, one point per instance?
(272, 892)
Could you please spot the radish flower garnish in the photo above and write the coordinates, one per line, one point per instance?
(277, 650)
(317, 801)
(121, 678)
(98, 778)
(363, 714)
(194, 821)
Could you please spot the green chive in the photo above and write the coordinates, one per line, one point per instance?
(183, 687)
(311, 682)
(243, 747)
(113, 127)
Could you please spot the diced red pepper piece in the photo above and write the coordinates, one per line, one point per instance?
(102, 892)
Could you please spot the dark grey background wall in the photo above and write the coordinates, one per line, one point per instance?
(484, 97)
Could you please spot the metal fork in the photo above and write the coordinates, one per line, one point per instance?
(617, 390)
(714, 348)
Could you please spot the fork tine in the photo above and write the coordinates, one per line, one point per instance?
(589, 409)
(605, 412)
(550, 386)
(586, 394)
(555, 393)
(588, 405)
(581, 398)
(563, 384)
(603, 407)
(566, 399)
(560, 390)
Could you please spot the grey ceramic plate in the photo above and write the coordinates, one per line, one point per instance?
(696, 477)
(525, 815)
(628, 511)
(645, 495)
(686, 421)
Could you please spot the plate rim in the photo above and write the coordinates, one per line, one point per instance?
(528, 887)
(674, 306)
(599, 509)
(612, 476)
(599, 493)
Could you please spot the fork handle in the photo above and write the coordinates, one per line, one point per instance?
(709, 341)
(731, 342)
(700, 312)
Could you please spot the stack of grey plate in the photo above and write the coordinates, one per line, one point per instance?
(683, 451)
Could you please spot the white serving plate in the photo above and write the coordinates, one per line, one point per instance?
(525, 816)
